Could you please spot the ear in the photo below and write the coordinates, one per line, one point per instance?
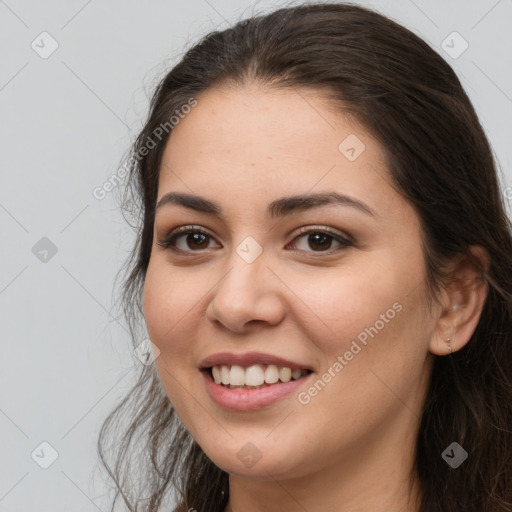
(462, 301)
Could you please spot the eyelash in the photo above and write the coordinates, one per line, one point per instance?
(169, 242)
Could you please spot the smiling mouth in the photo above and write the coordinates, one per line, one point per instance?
(255, 376)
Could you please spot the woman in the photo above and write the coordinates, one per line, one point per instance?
(324, 268)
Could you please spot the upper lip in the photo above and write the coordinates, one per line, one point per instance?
(248, 359)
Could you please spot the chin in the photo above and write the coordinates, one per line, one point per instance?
(259, 458)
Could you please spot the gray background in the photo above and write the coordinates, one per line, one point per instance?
(66, 122)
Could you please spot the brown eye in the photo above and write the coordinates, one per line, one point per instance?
(196, 240)
(320, 241)
(186, 239)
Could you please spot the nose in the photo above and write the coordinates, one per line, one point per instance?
(248, 295)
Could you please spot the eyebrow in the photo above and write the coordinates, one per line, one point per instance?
(277, 208)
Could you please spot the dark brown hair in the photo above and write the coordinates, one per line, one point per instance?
(439, 158)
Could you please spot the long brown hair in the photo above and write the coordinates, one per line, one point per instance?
(439, 157)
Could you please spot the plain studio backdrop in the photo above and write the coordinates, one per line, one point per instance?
(75, 78)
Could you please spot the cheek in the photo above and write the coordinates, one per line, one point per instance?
(168, 314)
(341, 305)
(373, 364)
(168, 308)
(373, 316)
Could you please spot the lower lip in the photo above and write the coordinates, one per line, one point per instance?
(249, 399)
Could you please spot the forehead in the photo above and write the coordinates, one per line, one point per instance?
(253, 121)
(259, 142)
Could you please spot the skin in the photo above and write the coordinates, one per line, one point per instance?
(351, 447)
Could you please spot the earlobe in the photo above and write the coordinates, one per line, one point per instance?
(463, 300)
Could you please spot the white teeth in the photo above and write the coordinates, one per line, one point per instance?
(285, 374)
(271, 374)
(296, 374)
(256, 375)
(224, 375)
(236, 376)
(216, 374)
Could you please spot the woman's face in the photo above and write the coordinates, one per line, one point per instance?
(332, 288)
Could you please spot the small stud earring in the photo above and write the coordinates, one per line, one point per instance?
(449, 346)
